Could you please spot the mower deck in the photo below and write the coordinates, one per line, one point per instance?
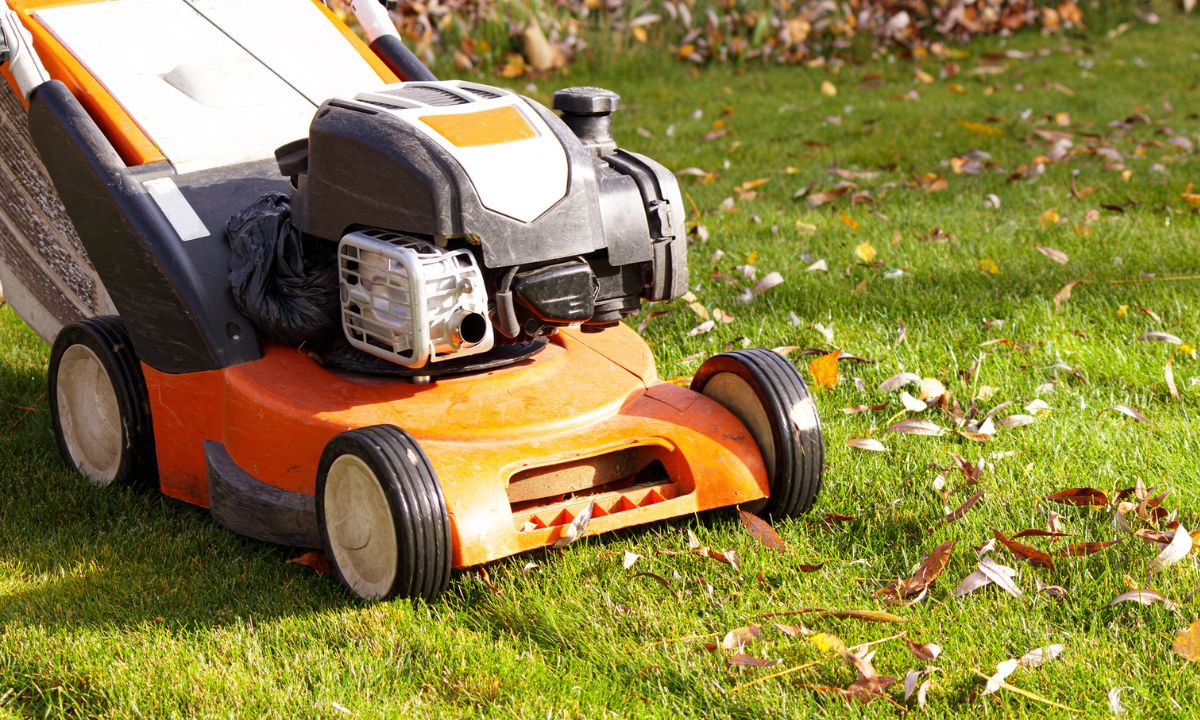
(519, 451)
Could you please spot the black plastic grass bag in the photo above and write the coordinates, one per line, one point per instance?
(284, 281)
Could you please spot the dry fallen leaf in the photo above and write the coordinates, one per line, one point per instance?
(1145, 597)
(1038, 656)
(1130, 411)
(1080, 549)
(1187, 644)
(1003, 670)
(867, 444)
(1057, 256)
(762, 531)
(1024, 552)
(980, 128)
(925, 652)
(917, 426)
(989, 266)
(737, 638)
(1176, 550)
(962, 509)
(898, 381)
(925, 575)
(315, 560)
(741, 660)
(1158, 336)
(1063, 295)
(824, 370)
(575, 530)
(865, 252)
(1080, 497)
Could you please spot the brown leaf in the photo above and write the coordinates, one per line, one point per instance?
(1024, 552)
(924, 652)
(867, 444)
(1145, 597)
(736, 638)
(1038, 532)
(1064, 294)
(823, 198)
(741, 660)
(762, 531)
(1080, 496)
(315, 560)
(962, 509)
(1130, 411)
(1187, 644)
(926, 574)
(917, 426)
(1057, 256)
(831, 518)
(1080, 549)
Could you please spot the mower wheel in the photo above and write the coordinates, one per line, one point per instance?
(98, 404)
(766, 392)
(382, 517)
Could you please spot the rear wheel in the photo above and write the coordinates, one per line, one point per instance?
(99, 407)
(382, 517)
(767, 394)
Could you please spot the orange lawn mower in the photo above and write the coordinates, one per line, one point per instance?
(291, 277)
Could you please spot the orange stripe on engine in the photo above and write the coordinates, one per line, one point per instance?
(486, 127)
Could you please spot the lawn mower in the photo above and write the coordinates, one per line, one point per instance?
(291, 277)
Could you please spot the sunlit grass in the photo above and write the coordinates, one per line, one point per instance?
(124, 604)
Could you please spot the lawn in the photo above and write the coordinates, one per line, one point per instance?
(116, 603)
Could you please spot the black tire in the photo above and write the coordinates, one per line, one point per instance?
(766, 392)
(415, 518)
(76, 349)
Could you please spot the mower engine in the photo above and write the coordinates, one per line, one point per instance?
(470, 217)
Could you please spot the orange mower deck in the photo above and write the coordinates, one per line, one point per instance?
(519, 452)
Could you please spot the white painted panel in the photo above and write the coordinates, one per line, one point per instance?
(520, 179)
(297, 41)
(201, 98)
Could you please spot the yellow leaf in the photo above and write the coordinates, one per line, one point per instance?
(956, 88)
(1062, 119)
(1049, 219)
(514, 68)
(849, 221)
(1126, 175)
(639, 33)
(832, 643)
(828, 88)
(1188, 350)
(1084, 230)
(989, 266)
(1187, 645)
(1122, 311)
(980, 128)
(824, 370)
(1192, 199)
(924, 77)
(865, 252)
(752, 257)
(687, 50)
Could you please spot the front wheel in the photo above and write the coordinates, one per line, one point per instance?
(382, 517)
(767, 394)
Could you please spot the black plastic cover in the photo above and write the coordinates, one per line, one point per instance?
(563, 293)
(286, 283)
(178, 313)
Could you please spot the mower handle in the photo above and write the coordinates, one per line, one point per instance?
(16, 51)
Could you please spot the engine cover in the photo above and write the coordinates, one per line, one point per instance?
(469, 166)
(410, 302)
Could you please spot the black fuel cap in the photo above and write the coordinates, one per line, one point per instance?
(588, 112)
(586, 100)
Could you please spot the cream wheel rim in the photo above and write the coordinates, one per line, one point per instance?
(738, 397)
(89, 415)
(360, 527)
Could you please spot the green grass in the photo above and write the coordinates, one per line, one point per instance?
(123, 604)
